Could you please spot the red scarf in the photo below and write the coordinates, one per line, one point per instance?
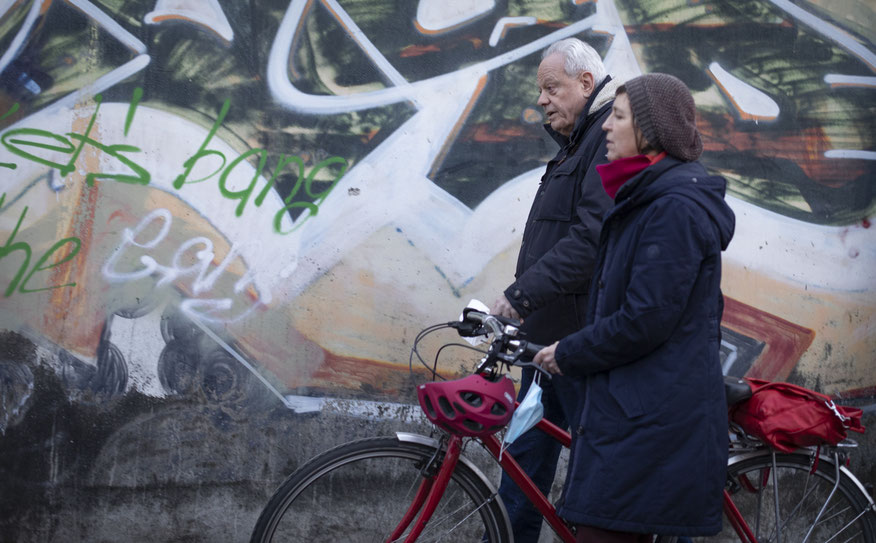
(617, 172)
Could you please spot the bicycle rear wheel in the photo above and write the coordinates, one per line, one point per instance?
(359, 492)
(812, 505)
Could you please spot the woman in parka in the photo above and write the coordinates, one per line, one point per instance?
(650, 448)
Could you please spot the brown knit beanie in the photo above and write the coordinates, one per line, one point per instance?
(665, 112)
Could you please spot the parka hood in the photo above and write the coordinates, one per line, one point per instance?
(690, 180)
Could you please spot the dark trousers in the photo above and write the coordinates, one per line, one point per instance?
(589, 534)
(537, 455)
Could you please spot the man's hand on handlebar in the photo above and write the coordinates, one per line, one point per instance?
(505, 346)
(545, 359)
(504, 308)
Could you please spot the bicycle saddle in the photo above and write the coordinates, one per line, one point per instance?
(737, 390)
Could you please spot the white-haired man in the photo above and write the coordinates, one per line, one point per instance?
(557, 255)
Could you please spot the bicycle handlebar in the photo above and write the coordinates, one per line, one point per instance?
(504, 332)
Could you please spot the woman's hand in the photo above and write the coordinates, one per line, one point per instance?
(545, 359)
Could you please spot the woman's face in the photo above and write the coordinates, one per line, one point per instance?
(621, 134)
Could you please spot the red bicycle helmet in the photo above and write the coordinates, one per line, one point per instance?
(471, 406)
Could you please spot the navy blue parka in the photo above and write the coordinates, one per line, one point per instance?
(650, 445)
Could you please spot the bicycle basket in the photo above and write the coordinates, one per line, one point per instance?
(788, 417)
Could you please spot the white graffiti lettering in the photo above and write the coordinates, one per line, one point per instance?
(193, 258)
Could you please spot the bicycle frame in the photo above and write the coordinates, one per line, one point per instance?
(522, 480)
(433, 486)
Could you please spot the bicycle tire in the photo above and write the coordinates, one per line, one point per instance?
(803, 491)
(359, 491)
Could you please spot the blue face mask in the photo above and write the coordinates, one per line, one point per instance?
(527, 415)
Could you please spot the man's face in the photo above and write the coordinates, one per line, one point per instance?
(562, 96)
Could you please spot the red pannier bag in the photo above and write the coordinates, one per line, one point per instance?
(788, 417)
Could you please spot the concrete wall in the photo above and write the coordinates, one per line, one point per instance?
(216, 214)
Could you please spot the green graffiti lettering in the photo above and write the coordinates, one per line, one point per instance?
(242, 195)
(320, 197)
(71, 165)
(26, 142)
(203, 151)
(11, 111)
(39, 264)
(284, 160)
(278, 218)
(14, 144)
(65, 145)
(177, 184)
(132, 107)
(11, 246)
(142, 177)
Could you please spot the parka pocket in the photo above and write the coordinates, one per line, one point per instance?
(641, 389)
(628, 398)
(560, 192)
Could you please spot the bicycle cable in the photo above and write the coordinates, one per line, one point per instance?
(438, 354)
(434, 367)
(414, 348)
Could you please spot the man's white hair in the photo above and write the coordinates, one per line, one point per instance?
(578, 57)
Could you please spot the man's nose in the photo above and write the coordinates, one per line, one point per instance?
(542, 99)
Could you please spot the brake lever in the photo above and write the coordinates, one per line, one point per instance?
(538, 368)
(524, 347)
(468, 328)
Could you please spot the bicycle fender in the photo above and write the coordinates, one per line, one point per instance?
(429, 442)
(824, 458)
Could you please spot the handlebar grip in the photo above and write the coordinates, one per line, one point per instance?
(507, 321)
(531, 349)
(473, 315)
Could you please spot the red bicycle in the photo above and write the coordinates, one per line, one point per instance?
(411, 487)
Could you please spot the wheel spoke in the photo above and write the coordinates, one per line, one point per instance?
(790, 499)
(360, 492)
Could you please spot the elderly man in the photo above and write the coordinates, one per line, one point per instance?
(556, 258)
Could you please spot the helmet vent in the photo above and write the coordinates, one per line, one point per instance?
(446, 408)
(473, 426)
(471, 398)
(498, 409)
(427, 405)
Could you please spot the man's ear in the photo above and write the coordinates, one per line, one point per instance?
(587, 83)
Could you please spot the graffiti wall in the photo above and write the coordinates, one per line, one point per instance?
(219, 219)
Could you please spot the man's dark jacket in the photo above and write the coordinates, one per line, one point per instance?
(651, 448)
(559, 242)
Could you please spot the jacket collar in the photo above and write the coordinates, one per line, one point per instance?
(617, 172)
(633, 188)
(652, 182)
(603, 94)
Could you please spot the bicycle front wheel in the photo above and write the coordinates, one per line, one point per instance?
(798, 500)
(360, 491)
